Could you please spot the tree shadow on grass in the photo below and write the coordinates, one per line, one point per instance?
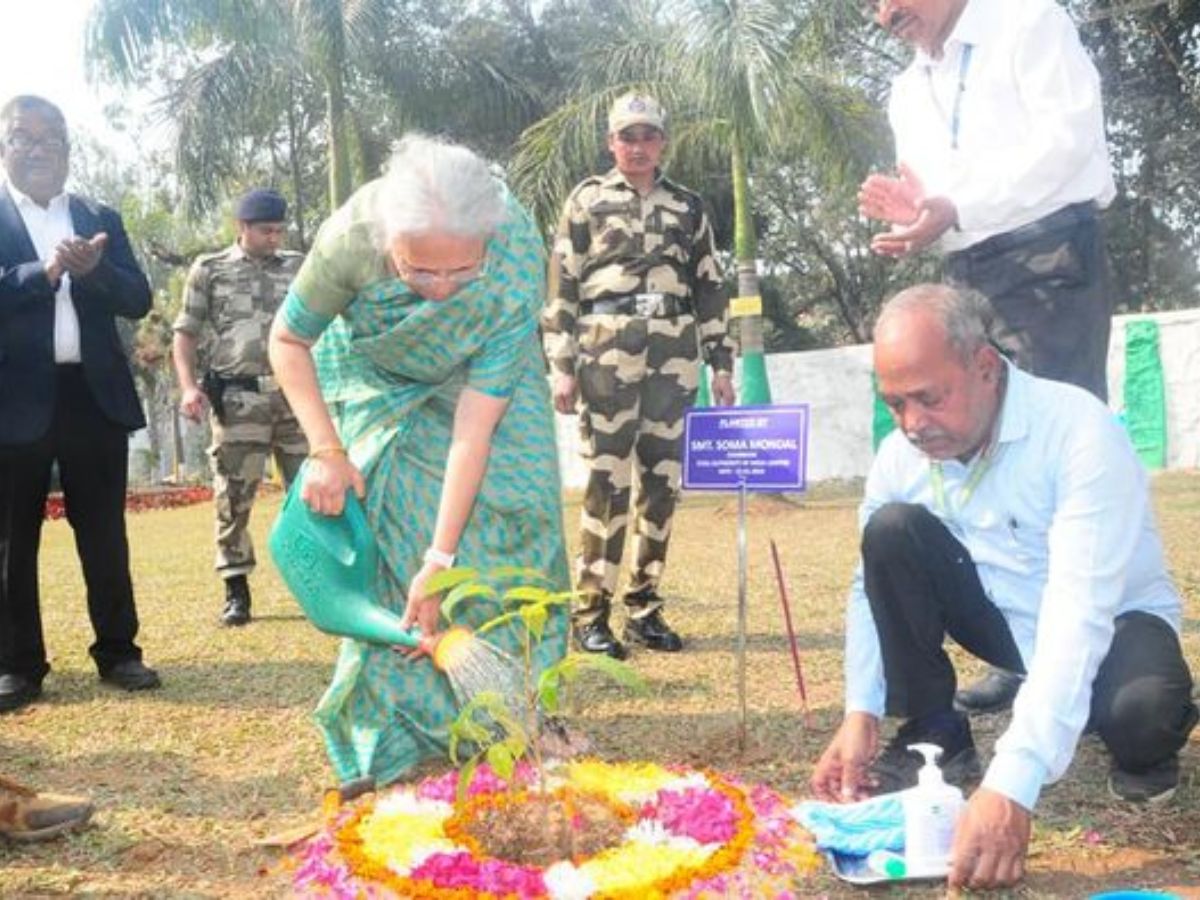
(279, 617)
(764, 642)
(249, 685)
(162, 783)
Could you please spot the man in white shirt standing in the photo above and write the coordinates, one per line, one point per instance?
(1002, 165)
(67, 397)
(1010, 513)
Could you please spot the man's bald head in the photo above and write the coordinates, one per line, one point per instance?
(937, 371)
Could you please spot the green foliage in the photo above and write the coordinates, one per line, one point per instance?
(799, 86)
(491, 726)
(307, 95)
(487, 726)
(553, 679)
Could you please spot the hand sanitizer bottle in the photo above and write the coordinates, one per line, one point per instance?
(931, 811)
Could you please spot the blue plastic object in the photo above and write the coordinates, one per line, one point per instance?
(329, 565)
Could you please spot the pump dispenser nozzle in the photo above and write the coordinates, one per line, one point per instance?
(929, 774)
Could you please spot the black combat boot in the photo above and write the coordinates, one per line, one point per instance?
(645, 624)
(237, 601)
(597, 637)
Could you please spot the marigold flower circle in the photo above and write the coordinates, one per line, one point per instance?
(688, 833)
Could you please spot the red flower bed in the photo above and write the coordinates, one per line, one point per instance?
(143, 499)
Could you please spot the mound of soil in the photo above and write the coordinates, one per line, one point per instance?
(546, 828)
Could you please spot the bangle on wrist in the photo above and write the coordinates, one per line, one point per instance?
(439, 557)
(331, 450)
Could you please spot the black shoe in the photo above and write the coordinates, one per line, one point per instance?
(237, 601)
(992, 693)
(895, 769)
(131, 675)
(1155, 785)
(597, 637)
(652, 630)
(17, 691)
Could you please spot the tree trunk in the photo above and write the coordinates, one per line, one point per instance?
(294, 167)
(754, 388)
(339, 150)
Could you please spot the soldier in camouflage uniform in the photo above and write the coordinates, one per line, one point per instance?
(234, 294)
(637, 300)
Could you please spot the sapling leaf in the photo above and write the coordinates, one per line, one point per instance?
(470, 589)
(465, 774)
(500, 758)
(525, 594)
(450, 578)
(535, 620)
(498, 622)
(548, 688)
(575, 664)
(521, 573)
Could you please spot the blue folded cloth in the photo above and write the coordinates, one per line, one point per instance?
(855, 828)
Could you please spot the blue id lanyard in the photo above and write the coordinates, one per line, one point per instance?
(964, 64)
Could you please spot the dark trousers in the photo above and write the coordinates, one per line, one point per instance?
(922, 585)
(92, 455)
(1048, 283)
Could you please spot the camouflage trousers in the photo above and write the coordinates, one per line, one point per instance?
(1048, 283)
(636, 376)
(255, 426)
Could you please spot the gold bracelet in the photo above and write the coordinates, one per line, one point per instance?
(333, 450)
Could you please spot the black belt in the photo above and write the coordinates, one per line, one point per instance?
(1059, 220)
(649, 306)
(261, 384)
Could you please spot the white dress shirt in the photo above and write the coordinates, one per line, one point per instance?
(49, 226)
(1062, 533)
(1009, 123)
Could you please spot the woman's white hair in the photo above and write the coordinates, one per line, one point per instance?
(433, 186)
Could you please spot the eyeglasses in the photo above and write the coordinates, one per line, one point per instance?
(23, 142)
(430, 278)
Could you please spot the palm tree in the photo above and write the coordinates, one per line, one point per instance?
(269, 78)
(738, 78)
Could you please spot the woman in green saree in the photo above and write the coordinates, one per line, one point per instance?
(407, 347)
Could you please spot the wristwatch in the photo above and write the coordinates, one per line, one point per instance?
(445, 560)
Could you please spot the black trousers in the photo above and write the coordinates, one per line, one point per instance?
(1049, 285)
(92, 456)
(922, 585)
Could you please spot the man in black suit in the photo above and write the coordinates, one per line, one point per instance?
(66, 396)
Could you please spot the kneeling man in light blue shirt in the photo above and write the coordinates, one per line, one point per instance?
(1010, 513)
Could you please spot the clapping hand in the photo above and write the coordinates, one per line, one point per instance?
(896, 200)
(79, 256)
(917, 220)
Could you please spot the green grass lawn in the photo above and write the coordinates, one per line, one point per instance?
(188, 780)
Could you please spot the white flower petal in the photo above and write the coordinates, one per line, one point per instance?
(565, 882)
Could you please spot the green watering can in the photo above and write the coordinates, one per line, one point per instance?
(329, 564)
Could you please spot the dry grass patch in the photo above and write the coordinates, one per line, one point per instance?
(189, 778)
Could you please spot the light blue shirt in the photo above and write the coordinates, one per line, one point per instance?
(1062, 532)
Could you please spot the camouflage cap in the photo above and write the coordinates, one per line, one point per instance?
(636, 109)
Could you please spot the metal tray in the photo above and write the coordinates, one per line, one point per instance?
(854, 870)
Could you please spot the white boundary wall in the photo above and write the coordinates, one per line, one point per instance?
(836, 384)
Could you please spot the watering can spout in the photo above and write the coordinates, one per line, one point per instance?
(329, 564)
